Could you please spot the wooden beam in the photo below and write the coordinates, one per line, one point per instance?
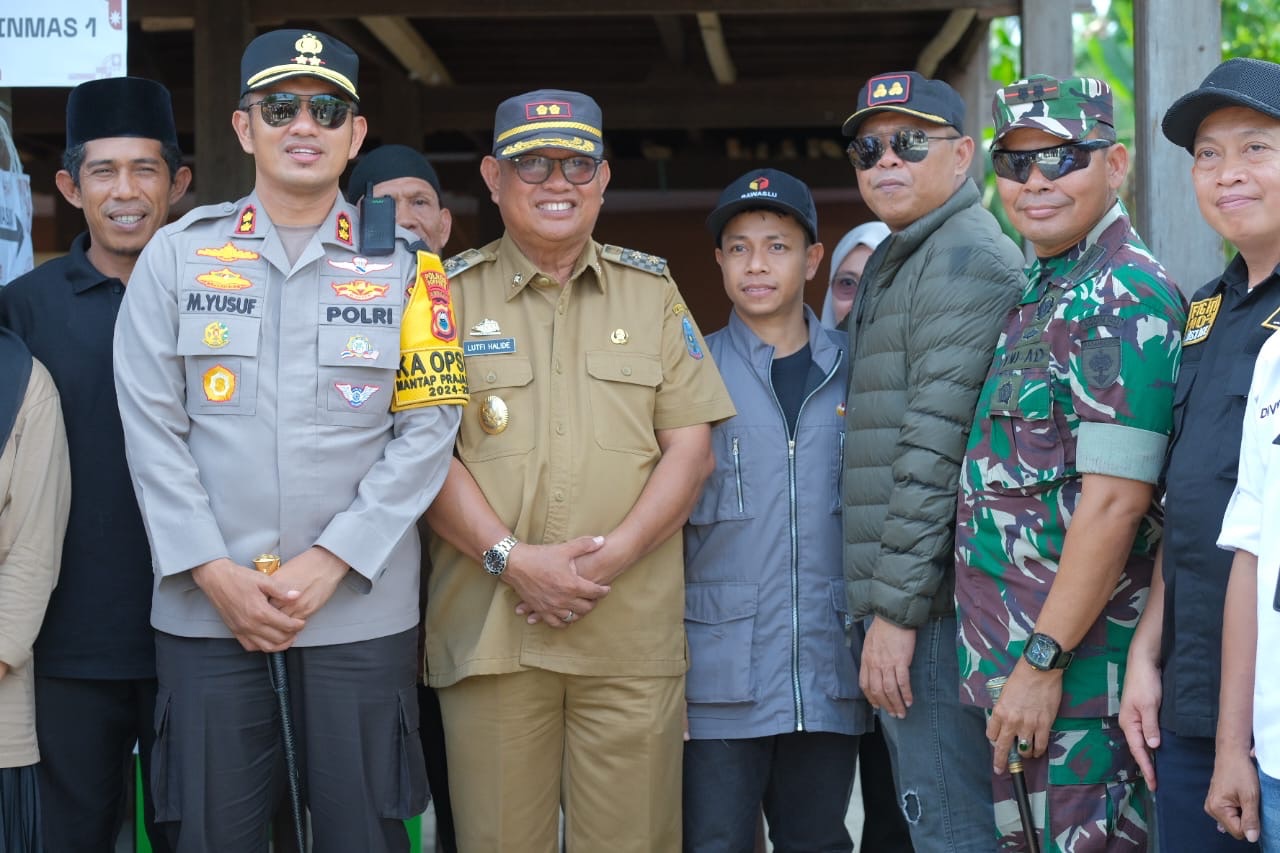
(316, 10)
(1046, 38)
(717, 51)
(671, 34)
(975, 86)
(1167, 215)
(408, 46)
(222, 171)
(945, 41)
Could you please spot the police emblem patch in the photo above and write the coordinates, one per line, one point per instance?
(224, 279)
(690, 337)
(1101, 361)
(356, 395)
(358, 346)
(219, 384)
(1200, 317)
(216, 335)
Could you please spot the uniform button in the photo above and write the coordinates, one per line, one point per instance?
(559, 496)
(115, 288)
(491, 376)
(560, 308)
(559, 429)
(626, 371)
(557, 366)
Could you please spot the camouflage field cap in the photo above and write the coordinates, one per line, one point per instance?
(1067, 108)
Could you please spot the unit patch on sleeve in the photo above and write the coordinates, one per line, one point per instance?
(1200, 317)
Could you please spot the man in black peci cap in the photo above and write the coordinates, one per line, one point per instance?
(95, 670)
(405, 176)
(1170, 705)
(922, 331)
(284, 397)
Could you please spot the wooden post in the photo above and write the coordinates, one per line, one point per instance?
(1167, 215)
(223, 171)
(975, 86)
(1047, 38)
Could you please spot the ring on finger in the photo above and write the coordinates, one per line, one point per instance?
(1024, 745)
(571, 616)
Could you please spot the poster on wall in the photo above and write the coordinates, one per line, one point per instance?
(62, 42)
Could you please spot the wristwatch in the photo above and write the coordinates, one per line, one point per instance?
(1044, 653)
(495, 559)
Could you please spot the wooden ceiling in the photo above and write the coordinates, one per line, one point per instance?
(688, 88)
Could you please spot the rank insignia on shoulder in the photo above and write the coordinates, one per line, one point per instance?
(1200, 317)
(343, 229)
(637, 260)
(248, 223)
(691, 337)
(462, 261)
(228, 253)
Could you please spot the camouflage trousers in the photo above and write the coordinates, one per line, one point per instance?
(1086, 790)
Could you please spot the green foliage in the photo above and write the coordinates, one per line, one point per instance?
(1249, 29)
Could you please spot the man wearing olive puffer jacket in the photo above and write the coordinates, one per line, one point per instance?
(922, 332)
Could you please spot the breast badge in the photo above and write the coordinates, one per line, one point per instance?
(360, 290)
(228, 253)
(493, 415)
(216, 335)
(224, 279)
(1200, 317)
(619, 336)
(219, 384)
(486, 327)
(356, 395)
(358, 346)
(362, 266)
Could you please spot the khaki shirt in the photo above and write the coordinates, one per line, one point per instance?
(588, 373)
(35, 497)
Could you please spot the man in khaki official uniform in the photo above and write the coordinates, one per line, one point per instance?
(554, 623)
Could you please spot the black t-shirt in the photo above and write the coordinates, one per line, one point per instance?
(1227, 325)
(790, 375)
(98, 624)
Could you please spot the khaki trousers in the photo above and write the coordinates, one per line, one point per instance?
(607, 749)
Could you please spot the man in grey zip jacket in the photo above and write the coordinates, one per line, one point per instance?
(922, 332)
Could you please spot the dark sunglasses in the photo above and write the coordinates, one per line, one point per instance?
(912, 146)
(327, 111)
(1053, 162)
(534, 169)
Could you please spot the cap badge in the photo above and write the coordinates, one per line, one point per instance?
(547, 109)
(308, 44)
(760, 183)
(891, 89)
(1028, 93)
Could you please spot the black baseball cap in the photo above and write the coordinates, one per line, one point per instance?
(765, 188)
(1240, 82)
(909, 93)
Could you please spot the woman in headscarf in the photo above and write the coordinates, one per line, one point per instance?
(847, 263)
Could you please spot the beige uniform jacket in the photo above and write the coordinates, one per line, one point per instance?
(587, 373)
(35, 497)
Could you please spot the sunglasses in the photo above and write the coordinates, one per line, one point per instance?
(280, 109)
(1053, 162)
(534, 169)
(911, 146)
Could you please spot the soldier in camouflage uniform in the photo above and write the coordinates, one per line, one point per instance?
(1056, 525)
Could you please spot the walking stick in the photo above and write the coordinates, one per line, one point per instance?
(279, 675)
(994, 688)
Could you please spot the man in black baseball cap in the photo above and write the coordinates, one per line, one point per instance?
(938, 289)
(404, 175)
(95, 671)
(1170, 710)
(767, 189)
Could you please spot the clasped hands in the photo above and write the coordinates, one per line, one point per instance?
(560, 584)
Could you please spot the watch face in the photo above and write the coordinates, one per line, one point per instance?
(1041, 651)
(493, 562)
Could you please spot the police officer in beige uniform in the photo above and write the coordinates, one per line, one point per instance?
(554, 623)
(266, 396)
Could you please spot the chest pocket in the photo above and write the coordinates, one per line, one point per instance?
(503, 414)
(623, 391)
(1236, 389)
(356, 374)
(727, 495)
(1026, 451)
(220, 354)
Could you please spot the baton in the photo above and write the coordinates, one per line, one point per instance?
(279, 675)
(994, 688)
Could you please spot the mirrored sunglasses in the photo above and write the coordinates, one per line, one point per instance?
(911, 146)
(1054, 162)
(281, 108)
(534, 169)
